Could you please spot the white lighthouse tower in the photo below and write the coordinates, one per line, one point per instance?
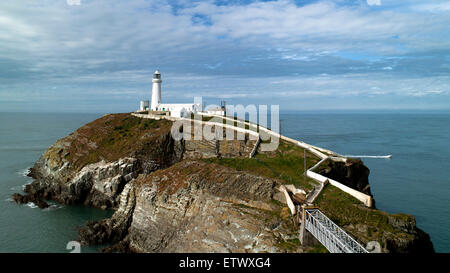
(171, 109)
(156, 91)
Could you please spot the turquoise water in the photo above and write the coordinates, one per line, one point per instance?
(23, 228)
(414, 181)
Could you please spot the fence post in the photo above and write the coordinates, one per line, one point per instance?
(306, 238)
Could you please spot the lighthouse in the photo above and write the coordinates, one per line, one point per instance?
(172, 109)
(156, 91)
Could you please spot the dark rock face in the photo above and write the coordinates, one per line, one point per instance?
(60, 176)
(167, 201)
(25, 199)
(117, 148)
(195, 207)
(97, 185)
(101, 232)
(114, 229)
(353, 174)
(418, 241)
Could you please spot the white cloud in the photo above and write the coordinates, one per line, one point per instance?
(103, 28)
(374, 2)
(296, 57)
(73, 2)
(12, 25)
(423, 93)
(433, 7)
(105, 45)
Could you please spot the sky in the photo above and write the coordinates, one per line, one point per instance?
(99, 55)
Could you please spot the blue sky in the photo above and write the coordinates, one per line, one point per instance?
(303, 55)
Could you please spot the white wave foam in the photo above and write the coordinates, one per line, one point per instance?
(31, 205)
(28, 183)
(53, 207)
(21, 187)
(17, 188)
(370, 156)
(24, 172)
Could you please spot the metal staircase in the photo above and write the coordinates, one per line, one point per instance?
(329, 234)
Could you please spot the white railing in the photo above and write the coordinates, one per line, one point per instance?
(329, 234)
(319, 152)
(255, 148)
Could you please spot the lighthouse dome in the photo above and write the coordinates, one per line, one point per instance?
(157, 75)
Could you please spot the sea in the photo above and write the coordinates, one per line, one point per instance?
(413, 181)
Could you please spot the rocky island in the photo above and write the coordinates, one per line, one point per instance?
(203, 196)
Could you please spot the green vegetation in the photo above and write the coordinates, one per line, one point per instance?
(290, 245)
(285, 164)
(317, 249)
(346, 211)
(121, 135)
(362, 223)
(112, 137)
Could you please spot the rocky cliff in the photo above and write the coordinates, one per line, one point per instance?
(194, 206)
(93, 164)
(194, 195)
(396, 233)
(352, 173)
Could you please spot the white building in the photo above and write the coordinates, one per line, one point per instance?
(174, 109)
(156, 90)
(218, 111)
(144, 105)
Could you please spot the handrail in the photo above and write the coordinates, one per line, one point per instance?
(329, 234)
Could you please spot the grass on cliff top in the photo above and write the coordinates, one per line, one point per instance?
(285, 164)
(347, 212)
(112, 137)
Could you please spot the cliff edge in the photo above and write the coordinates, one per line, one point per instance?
(199, 195)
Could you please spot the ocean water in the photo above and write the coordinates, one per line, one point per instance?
(413, 181)
(25, 228)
